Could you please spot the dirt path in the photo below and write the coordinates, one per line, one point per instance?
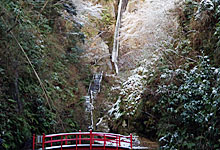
(144, 26)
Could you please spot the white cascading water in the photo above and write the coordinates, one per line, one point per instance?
(116, 38)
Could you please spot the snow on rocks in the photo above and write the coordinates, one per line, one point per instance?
(85, 9)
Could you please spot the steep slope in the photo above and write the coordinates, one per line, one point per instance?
(42, 77)
(145, 25)
(97, 24)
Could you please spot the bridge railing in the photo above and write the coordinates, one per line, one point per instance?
(88, 139)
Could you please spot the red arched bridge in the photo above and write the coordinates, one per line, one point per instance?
(82, 141)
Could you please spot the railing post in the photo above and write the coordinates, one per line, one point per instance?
(51, 144)
(131, 140)
(104, 141)
(90, 139)
(76, 142)
(61, 142)
(119, 141)
(43, 142)
(79, 136)
(33, 141)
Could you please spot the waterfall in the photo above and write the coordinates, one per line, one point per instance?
(94, 89)
(121, 8)
(116, 39)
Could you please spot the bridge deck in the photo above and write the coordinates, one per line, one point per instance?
(86, 147)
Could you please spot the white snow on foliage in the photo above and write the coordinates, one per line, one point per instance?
(208, 4)
(132, 89)
(115, 109)
(86, 9)
(88, 14)
(204, 5)
(144, 27)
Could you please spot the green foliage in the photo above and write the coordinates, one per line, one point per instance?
(200, 23)
(107, 18)
(189, 109)
(54, 52)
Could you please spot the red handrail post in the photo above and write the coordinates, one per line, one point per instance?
(33, 141)
(61, 142)
(119, 141)
(79, 136)
(90, 139)
(51, 144)
(131, 140)
(43, 142)
(104, 141)
(76, 142)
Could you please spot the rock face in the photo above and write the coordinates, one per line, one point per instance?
(95, 18)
